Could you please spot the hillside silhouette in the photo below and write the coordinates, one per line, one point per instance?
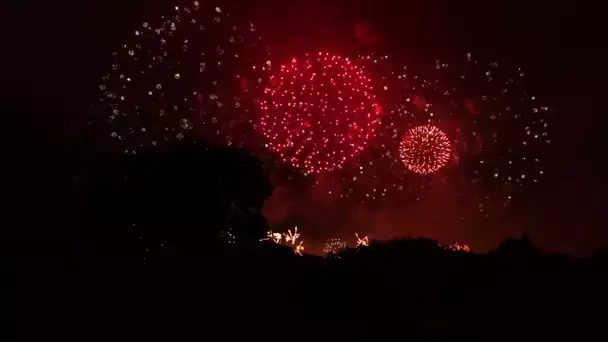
(170, 250)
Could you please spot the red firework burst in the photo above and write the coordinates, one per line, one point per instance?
(319, 112)
(425, 149)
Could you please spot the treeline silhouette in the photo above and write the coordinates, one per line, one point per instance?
(169, 250)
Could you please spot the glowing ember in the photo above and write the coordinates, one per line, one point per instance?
(425, 149)
(319, 112)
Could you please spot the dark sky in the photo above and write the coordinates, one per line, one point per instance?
(58, 50)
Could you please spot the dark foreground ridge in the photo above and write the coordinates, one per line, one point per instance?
(169, 250)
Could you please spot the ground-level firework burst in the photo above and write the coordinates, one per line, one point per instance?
(274, 237)
(292, 236)
(334, 246)
(425, 149)
(191, 73)
(362, 242)
(299, 249)
(458, 247)
(319, 112)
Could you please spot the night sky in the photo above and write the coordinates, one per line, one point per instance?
(57, 52)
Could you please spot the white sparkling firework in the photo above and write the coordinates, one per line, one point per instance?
(188, 74)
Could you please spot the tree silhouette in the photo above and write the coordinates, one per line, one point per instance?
(185, 199)
(518, 248)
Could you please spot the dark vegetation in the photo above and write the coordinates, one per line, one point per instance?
(169, 251)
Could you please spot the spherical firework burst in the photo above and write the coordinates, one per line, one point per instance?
(319, 112)
(425, 149)
(190, 73)
(334, 246)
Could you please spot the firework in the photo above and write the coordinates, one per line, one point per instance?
(458, 247)
(299, 248)
(292, 237)
(498, 131)
(334, 246)
(376, 172)
(319, 112)
(425, 149)
(494, 134)
(227, 236)
(274, 237)
(363, 242)
(189, 74)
